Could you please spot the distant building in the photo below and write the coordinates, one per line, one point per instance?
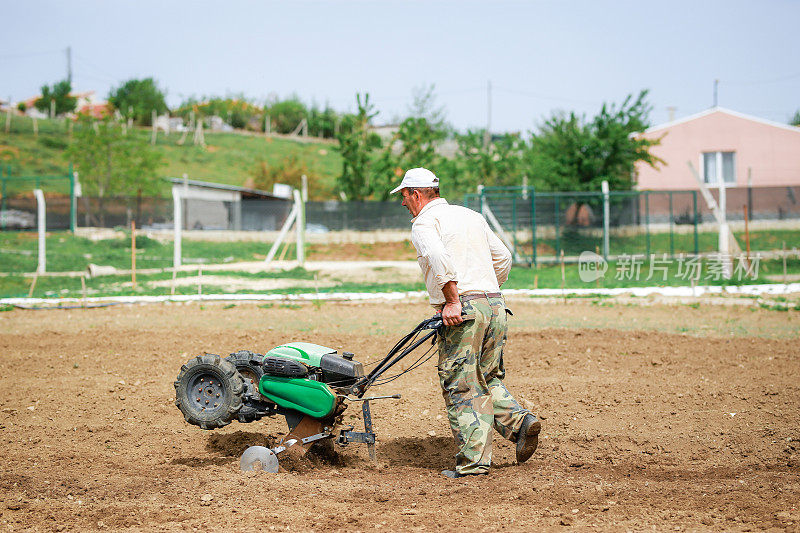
(385, 131)
(757, 160)
(741, 149)
(215, 206)
(87, 104)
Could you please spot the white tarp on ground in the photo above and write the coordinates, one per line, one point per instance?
(752, 290)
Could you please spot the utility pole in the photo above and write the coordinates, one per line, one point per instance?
(487, 136)
(716, 86)
(69, 64)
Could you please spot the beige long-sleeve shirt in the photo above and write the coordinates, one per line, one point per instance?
(454, 243)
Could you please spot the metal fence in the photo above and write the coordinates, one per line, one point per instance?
(357, 216)
(542, 226)
(18, 205)
(539, 226)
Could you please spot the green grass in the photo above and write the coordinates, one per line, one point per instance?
(520, 278)
(574, 243)
(230, 158)
(549, 276)
(67, 252)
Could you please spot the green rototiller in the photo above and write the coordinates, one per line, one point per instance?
(309, 384)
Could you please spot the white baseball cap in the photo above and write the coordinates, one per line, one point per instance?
(417, 177)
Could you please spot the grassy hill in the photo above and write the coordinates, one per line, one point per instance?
(230, 158)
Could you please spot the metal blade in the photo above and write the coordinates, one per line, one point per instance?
(259, 458)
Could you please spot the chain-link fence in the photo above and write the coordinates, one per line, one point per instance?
(18, 204)
(538, 226)
(541, 226)
(357, 216)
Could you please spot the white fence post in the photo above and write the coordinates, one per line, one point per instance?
(287, 225)
(41, 223)
(177, 226)
(606, 213)
(301, 226)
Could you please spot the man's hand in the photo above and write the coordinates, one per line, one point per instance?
(451, 313)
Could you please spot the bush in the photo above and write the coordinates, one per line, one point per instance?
(53, 142)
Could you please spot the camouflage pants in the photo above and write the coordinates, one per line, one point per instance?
(471, 374)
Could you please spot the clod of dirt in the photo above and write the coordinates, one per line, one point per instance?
(234, 444)
(319, 455)
(429, 452)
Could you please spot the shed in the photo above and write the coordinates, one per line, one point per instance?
(217, 206)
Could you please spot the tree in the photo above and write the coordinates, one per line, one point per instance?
(357, 144)
(571, 154)
(137, 99)
(322, 123)
(412, 146)
(795, 119)
(59, 93)
(290, 171)
(286, 115)
(497, 164)
(111, 163)
(236, 111)
(424, 105)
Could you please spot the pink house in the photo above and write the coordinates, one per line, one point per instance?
(742, 150)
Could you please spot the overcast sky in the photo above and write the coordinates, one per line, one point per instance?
(540, 56)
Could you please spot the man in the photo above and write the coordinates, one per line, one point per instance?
(464, 264)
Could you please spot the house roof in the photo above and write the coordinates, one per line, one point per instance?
(223, 187)
(718, 109)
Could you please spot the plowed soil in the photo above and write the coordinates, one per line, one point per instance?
(642, 429)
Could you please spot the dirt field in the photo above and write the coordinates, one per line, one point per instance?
(643, 428)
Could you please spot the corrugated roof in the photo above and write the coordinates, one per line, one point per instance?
(224, 187)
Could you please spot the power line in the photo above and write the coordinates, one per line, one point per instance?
(102, 72)
(547, 97)
(763, 82)
(25, 55)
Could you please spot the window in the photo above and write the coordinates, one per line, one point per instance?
(716, 162)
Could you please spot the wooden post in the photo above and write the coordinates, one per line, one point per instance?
(597, 265)
(35, 127)
(33, 283)
(200, 280)
(83, 290)
(8, 117)
(154, 117)
(133, 253)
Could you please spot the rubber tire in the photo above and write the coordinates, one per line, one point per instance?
(253, 373)
(230, 384)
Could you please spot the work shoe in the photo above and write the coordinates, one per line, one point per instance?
(452, 474)
(528, 438)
